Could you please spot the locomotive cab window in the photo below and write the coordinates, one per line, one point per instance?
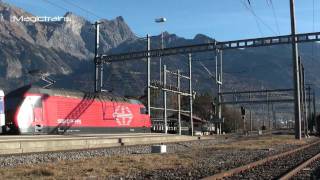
(143, 110)
(38, 103)
(1, 106)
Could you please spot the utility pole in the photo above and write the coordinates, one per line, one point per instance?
(160, 59)
(301, 94)
(220, 107)
(315, 111)
(219, 84)
(263, 123)
(148, 71)
(268, 109)
(250, 116)
(190, 92)
(161, 20)
(309, 105)
(97, 61)
(274, 117)
(179, 101)
(303, 97)
(305, 103)
(235, 121)
(263, 118)
(165, 98)
(297, 105)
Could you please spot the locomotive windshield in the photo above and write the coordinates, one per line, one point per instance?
(134, 101)
(2, 116)
(1, 105)
(27, 112)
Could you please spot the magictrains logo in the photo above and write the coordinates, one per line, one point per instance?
(35, 19)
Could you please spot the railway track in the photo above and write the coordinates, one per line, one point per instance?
(311, 170)
(281, 166)
(297, 173)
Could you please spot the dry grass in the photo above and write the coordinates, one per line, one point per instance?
(261, 143)
(97, 168)
(102, 167)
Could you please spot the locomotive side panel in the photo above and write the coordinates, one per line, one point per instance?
(74, 114)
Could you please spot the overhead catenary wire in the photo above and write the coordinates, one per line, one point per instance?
(65, 9)
(249, 7)
(89, 12)
(313, 15)
(72, 4)
(83, 9)
(256, 21)
(270, 3)
(313, 27)
(56, 5)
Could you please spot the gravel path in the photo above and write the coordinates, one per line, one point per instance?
(206, 161)
(209, 162)
(34, 158)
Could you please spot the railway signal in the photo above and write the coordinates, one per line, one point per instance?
(243, 114)
(243, 111)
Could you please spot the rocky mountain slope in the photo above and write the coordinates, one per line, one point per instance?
(65, 50)
(59, 48)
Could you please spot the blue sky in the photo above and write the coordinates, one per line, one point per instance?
(220, 19)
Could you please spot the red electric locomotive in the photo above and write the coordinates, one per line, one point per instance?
(31, 110)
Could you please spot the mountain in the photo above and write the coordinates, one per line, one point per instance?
(58, 48)
(65, 50)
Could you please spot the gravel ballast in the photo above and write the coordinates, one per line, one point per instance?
(206, 159)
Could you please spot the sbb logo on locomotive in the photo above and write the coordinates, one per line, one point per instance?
(123, 115)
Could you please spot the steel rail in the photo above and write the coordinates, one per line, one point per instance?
(240, 169)
(296, 170)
